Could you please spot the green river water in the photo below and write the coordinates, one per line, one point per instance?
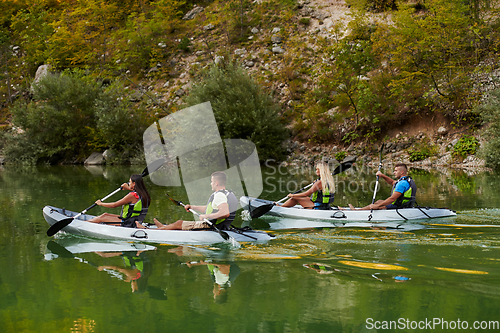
(444, 275)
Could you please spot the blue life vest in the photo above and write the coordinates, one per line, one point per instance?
(408, 198)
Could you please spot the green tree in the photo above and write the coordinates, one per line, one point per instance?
(71, 115)
(429, 52)
(82, 34)
(5, 63)
(145, 40)
(490, 113)
(31, 30)
(350, 61)
(54, 125)
(241, 108)
(120, 124)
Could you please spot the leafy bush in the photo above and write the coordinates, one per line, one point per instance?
(421, 151)
(381, 5)
(305, 21)
(467, 145)
(184, 44)
(68, 117)
(418, 155)
(490, 112)
(241, 108)
(120, 123)
(54, 125)
(340, 156)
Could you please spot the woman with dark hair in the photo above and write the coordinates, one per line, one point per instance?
(134, 205)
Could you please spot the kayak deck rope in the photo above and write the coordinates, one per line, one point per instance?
(404, 218)
(337, 216)
(140, 234)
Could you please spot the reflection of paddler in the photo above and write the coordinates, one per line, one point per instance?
(223, 276)
(136, 271)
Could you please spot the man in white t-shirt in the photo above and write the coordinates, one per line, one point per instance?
(217, 209)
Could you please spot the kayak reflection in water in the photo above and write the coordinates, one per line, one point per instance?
(223, 276)
(320, 195)
(136, 271)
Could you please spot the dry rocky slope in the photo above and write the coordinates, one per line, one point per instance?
(324, 14)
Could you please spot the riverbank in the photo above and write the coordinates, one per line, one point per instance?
(399, 149)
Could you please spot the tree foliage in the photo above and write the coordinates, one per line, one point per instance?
(67, 117)
(241, 108)
(432, 52)
(348, 82)
(490, 113)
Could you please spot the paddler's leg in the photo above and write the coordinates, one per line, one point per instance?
(303, 201)
(158, 223)
(106, 218)
(177, 225)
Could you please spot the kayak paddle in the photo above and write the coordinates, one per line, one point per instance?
(223, 234)
(376, 183)
(63, 223)
(261, 210)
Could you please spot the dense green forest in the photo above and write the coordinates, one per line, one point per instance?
(344, 83)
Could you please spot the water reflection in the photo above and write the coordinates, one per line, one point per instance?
(303, 224)
(447, 262)
(136, 270)
(222, 272)
(324, 269)
(135, 267)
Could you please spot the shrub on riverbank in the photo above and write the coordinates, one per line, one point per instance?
(241, 108)
(490, 112)
(466, 145)
(67, 117)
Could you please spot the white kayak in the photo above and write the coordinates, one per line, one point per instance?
(297, 212)
(80, 227)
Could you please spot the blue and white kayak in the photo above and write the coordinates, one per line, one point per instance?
(80, 226)
(297, 212)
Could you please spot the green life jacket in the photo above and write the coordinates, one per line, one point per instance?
(407, 199)
(323, 198)
(132, 210)
(232, 202)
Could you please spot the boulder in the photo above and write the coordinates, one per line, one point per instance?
(276, 39)
(192, 13)
(95, 159)
(41, 72)
(442, 131)
(278, 49)
(209, 27)
(108, 154)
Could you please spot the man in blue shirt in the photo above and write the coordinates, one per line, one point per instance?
(403, 190)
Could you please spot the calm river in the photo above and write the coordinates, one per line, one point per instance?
(439, 276)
